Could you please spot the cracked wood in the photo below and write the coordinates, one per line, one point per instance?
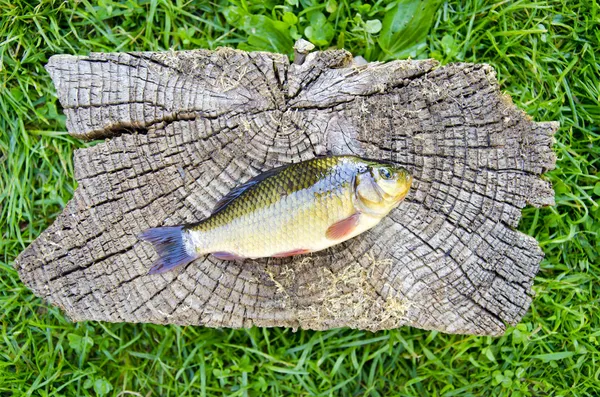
(181, 129)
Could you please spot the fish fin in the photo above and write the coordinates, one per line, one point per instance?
(342, 228)
(292, 253)
(239, 190)
(168, 242)
(226, 256)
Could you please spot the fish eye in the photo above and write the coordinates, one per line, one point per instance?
(385, 173)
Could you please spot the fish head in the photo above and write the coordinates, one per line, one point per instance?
(381, 186)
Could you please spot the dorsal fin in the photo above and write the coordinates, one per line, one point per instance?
(239, 190)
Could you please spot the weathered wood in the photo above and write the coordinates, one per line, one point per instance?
(183, 128)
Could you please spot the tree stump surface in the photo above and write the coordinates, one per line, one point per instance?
(180, 129)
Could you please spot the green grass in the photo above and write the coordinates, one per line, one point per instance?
(545, 54)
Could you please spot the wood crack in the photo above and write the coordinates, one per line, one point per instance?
(185, 127)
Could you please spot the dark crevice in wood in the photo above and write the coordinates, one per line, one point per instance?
(118, 130)
(200, 122)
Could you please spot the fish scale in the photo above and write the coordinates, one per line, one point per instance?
(306, 197)
(298, 208)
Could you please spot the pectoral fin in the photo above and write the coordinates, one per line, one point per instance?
(343, 228)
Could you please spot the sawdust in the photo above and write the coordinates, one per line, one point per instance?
(346, 294)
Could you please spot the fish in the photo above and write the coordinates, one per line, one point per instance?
(290, 210)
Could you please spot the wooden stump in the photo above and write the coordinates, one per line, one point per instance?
(181, 129)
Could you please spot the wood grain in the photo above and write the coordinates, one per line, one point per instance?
(181, 129)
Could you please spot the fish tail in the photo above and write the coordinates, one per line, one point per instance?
(171, 246)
